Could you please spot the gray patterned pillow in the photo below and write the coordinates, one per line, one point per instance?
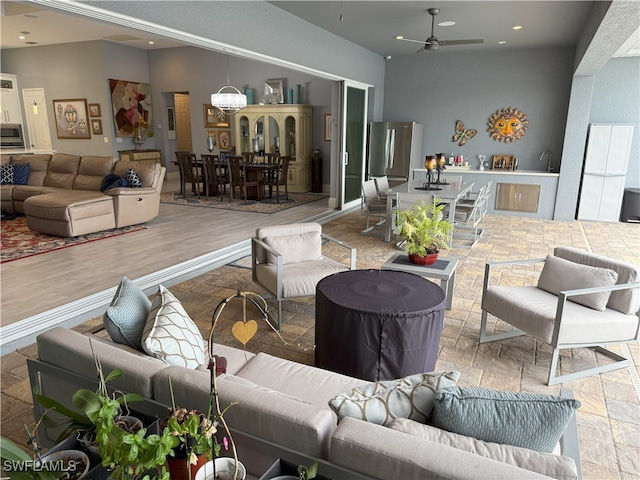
(125, 318)
(133, 180)
(171, 335)
(381, 402)
(528, 420)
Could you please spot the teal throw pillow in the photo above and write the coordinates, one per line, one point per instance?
(527, 420)
(125, 318)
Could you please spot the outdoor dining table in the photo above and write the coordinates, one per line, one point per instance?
(450, 194)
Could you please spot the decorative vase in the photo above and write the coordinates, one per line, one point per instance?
(299, 97)
(290, 96)
(428, 259)
(249, 94)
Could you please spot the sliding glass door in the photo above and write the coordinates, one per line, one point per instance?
(354, 133)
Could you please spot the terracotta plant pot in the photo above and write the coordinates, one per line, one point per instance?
(428, 259)
(179, 469)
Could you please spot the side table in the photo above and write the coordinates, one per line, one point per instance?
(444, 270)
(378, 324)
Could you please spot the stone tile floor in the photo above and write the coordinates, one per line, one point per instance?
(609, 419)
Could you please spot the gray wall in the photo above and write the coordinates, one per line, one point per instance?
(616, 99)
(471, 87)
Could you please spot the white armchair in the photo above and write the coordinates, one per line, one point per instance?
(287, 260)
(581, 300)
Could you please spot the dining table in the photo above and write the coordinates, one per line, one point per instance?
(449, 193)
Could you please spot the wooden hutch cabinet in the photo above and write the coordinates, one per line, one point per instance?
(148, 155)
(283, 128)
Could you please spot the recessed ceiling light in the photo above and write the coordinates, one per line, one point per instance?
(151, 42)
(22, 37)
(448, 23)
(502, 42)
(517, 27)
(399, 37)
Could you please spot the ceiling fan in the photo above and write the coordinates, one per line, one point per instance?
(432, 43)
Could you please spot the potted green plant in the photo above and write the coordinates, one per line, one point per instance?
(425, 231)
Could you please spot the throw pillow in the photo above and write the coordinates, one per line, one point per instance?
(559, 274)
(171, 335)
(21, 174)
(527, 420)
(554, 466)
(119, 183)
(108, 180)
(133, 180)
(125, 318)
(305, 247)
(381, 402)
(6, 174)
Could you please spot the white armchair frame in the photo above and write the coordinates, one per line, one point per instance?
(619, 361)
(281, 271)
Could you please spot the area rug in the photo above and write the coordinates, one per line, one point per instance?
(268, 205)
(17, 241)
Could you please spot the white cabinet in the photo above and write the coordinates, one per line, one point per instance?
(10, 111)
(604, 173)
(283, 128)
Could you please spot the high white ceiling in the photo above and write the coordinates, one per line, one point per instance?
(371, 24)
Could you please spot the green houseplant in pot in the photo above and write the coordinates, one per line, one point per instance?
(425, 231)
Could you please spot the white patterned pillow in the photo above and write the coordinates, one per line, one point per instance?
(381, 402)
(133, 180)
(6, 174)
(170, 334)
(127, 315)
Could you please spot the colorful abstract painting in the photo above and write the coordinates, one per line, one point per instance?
(131, 103)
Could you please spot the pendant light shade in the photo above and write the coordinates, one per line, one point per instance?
(229, 103)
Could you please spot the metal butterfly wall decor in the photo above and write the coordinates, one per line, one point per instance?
(462, 135)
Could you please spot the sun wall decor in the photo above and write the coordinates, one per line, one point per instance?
(507, 125)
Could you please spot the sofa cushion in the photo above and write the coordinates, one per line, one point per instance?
(554, 466)
(38, 166)
(132, 178)
(528, 420)
(559, 274)
(62, 171)
(170, 334)
(303, 247)
(91, 172)
(127, 314)
(21, 174)
(6, 174)
(382, 402)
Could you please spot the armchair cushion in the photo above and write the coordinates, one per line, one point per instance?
(299, 279)
(382, 402)
(528, 420)
(559, 274)
(302, 247)
(554, 466)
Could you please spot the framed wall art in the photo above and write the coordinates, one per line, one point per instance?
(71, 118)
(94, 109)
(171, 123)
(214, 118)
(327, 127)
(131, 103)
(224, 139)
(96, 126)
(274, 87)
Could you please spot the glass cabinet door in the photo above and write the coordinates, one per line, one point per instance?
(290, 137)
(274, 136)
(245, 139)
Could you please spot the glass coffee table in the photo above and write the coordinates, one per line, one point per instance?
(444, 269)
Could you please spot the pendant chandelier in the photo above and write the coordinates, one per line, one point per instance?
(229, 103)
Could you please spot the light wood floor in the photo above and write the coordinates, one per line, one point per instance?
(40, 283)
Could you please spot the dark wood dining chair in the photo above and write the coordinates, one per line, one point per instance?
(212, 175)
(190, 173)
(238, 178)
(278, 177)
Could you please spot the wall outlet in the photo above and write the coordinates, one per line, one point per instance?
(118, 139)
(106, 139)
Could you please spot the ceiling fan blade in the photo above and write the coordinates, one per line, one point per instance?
(461, 42)
(411, 40)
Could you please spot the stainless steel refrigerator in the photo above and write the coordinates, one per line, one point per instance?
(394, 149)
(604, 172)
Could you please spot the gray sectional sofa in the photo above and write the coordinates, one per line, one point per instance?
(282, 411)
(63, 194)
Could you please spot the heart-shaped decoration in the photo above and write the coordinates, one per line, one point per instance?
(244, 331)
